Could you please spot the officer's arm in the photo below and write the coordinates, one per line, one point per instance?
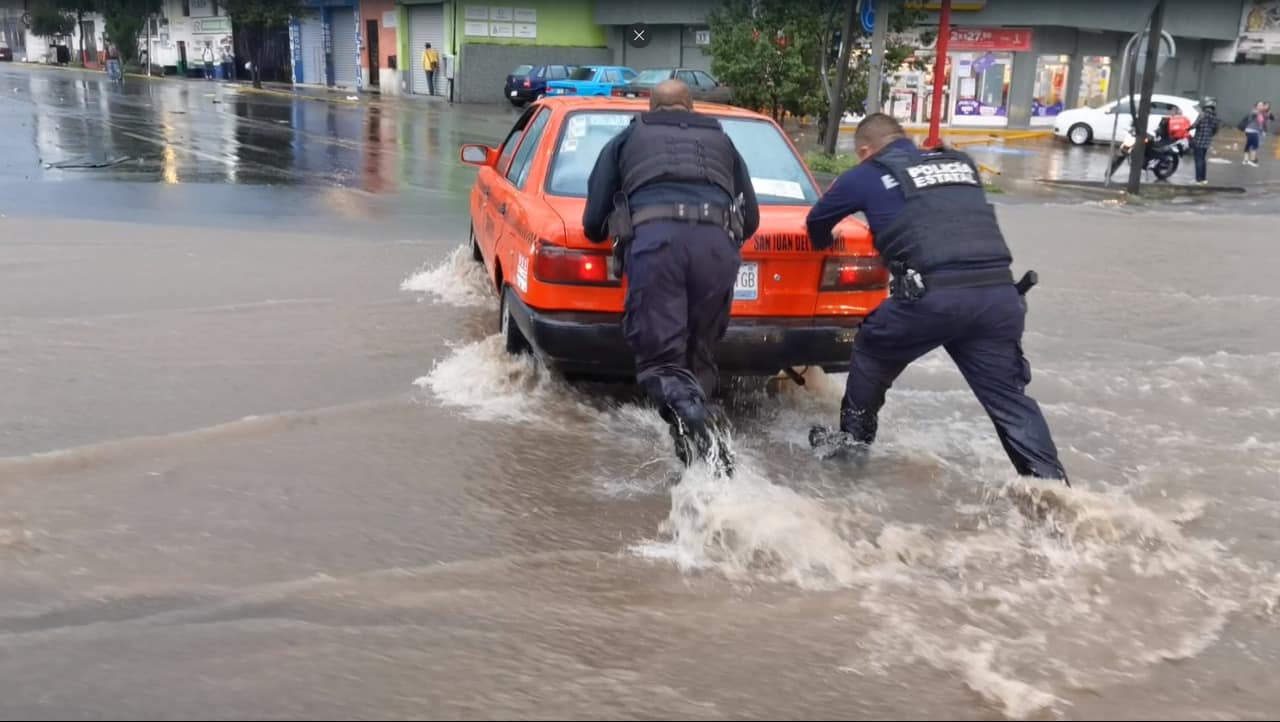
(842, 199)
(750, 205)
(605, 180)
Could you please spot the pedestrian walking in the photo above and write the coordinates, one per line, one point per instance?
(430, 62)
(1255, 126)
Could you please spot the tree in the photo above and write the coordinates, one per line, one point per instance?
(785, 55)
(48, 20)
(124, 22)
(756, 52)
(255, 18)
(78, 9)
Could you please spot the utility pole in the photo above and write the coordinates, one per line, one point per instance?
(879, 34)
(939, 75)
(836, 111)
(1138, 155)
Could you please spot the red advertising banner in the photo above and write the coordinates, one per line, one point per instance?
(965, 38)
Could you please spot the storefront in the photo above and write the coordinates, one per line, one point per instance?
(980, 63)
(1050, 95)
(977, 82)
(1095, 81)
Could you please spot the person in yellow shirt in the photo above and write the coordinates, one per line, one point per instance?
(430, 61)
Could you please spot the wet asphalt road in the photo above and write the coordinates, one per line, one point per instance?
(245, 473)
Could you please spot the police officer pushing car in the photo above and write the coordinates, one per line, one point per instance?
(675, 195)
(952, 287)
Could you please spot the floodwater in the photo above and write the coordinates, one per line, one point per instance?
(264, 463)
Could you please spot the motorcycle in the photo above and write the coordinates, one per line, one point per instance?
(1161, 156)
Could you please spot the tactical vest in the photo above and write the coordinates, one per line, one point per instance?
(947, 222)
(677, 147)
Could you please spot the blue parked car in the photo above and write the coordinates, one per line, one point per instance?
(592, 80)
(529, 82)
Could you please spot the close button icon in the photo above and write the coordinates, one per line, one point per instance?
(638, 35)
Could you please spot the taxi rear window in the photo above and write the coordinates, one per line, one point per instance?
(777, 174)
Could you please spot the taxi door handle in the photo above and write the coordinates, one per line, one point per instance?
(502, 209)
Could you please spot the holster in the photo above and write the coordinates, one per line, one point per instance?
(621, 230)
(737, 221)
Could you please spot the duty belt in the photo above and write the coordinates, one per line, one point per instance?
(692, 212)
(969, 279)
(908, 284)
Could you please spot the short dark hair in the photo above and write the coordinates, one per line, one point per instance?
(878, 130)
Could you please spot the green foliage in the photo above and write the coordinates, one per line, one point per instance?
(124, 22)
(797, 76)
(820, 162)
(264, 12)
(765, 74)
(49, 20)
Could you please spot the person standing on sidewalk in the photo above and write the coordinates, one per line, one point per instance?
(1205, 127)
(1255, 126)
(430, 61)
(206, 55)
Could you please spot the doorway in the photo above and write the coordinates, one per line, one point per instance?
(371, 33)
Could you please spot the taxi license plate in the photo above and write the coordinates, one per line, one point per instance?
(747, 287)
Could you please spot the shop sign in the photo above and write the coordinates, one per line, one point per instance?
(1006, 39)
(211, 26)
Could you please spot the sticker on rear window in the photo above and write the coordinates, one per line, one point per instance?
(778, 188)
(610, 119)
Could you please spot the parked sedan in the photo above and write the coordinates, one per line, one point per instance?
(703, 87)
(529, 82)
(593, 80)
(6, 53)
(1086, 125)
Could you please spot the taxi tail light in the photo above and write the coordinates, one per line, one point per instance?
(854, 273)
(552, 264)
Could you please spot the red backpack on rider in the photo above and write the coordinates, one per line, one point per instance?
(1179, 127)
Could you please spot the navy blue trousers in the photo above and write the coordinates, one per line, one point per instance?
(981, 329)
(680, 279)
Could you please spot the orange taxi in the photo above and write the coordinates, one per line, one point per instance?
(558, 298)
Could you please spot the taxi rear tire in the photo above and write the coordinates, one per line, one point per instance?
(514, 340)
(475, 247)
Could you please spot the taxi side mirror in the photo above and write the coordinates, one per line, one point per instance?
(476, 154)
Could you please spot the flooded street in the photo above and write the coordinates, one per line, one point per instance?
(263, 455)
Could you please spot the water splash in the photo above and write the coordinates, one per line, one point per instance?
(458, 281)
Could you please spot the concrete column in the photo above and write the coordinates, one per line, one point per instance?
(1021, 88)
(1074, 74)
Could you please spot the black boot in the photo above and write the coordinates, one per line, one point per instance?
(831, 443)
(699, 434)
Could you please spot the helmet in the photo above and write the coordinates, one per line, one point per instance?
(1208, 102)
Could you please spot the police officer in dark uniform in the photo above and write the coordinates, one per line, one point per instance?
(952, 287)
(675, 195)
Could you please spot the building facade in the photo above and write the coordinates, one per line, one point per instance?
(481, 43)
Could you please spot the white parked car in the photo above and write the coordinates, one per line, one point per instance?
(1094, 125)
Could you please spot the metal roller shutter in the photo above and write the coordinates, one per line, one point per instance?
(426, 25)
(311, 30)
(343, 22)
